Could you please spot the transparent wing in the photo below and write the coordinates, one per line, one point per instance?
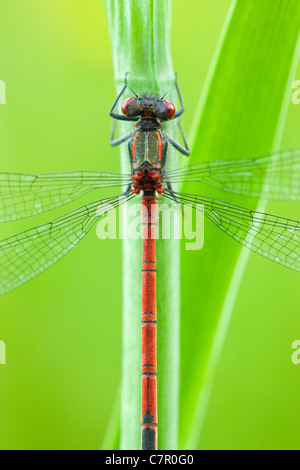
(273, 237)
(26, 195)
(275, 176)
(24, 256)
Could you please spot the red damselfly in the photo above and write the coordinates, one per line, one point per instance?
(24, 256)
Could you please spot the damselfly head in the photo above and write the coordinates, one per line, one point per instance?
(150, 106)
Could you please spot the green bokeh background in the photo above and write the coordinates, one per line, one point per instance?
(63, 330)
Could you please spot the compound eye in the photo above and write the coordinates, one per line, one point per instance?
(171, 110)
(125, 104)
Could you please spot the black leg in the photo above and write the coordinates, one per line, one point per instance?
(121, 117)
(113, 142)
(120, 140)
(172, 194)
(184, 138)
(181, 111)
(184, 151)
(127, 189)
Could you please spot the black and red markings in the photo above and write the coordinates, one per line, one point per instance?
(145, 180)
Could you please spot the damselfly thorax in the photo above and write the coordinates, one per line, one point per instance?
(148, 145)
(147, 152)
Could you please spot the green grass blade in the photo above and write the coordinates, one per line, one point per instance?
(111, 439)
(140, 36)
(241, 115)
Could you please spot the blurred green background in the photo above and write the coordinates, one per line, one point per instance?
(63, 330)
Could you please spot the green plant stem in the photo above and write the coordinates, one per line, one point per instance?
(140, 37)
